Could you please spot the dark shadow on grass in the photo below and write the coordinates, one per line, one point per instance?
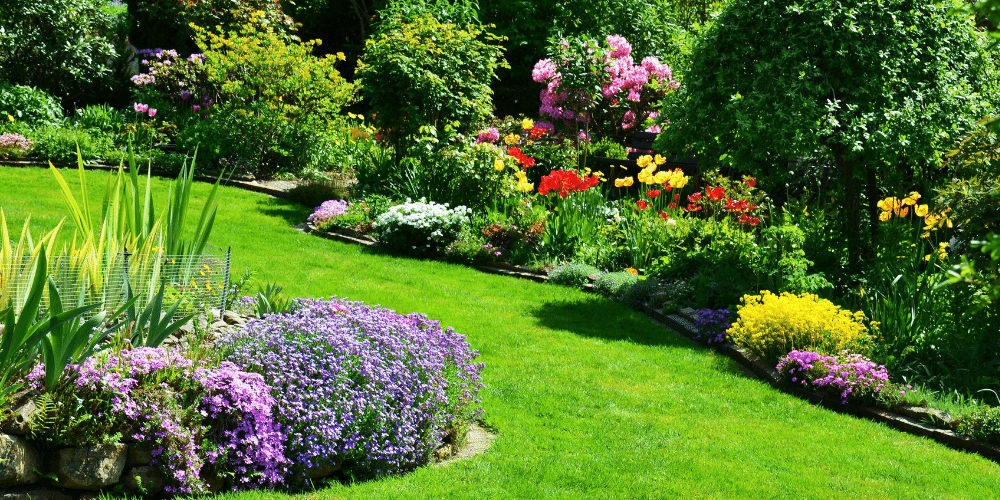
(595, 317)
(289, 211)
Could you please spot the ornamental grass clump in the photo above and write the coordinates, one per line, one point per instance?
(850, 377)
(360, 387)
(771, 326)
(421, 227)
(206, 424)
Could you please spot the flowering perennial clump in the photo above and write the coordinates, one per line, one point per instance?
(359, 386)
(329, 210)
(421, 226)
(711, 324)
(14, 144)
(771, 325)
(851, 377)
(205, 423)
(565, 182)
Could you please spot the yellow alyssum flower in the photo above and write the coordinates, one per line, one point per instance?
(498, 165)
(527, 124)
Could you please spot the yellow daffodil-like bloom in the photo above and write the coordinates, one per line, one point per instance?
(646, 175)
(527, 124)
(884, 216)
(498, 165)
(920, 210)
(644, 161)
(511, 138)
(659, 160)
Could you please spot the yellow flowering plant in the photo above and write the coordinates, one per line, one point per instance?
(771, 326)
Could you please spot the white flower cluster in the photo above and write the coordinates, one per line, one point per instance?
(424, 223)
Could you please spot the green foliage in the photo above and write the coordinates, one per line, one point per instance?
(572, 274)
(613, 285)
(74, 417)
(426, 72)
(28, 104)
(152, 325)
(270, 300)
(983, 424)
(62, 46)
(59, 143)
(100, 117)
(165, 23)
(607, 148)
(879, 88)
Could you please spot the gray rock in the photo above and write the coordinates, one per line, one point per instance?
(18, 461)
(146, 479)
(89, 468)
(35, 495)
(232, 318)
(23, 410)
(218, 325)
(140, 454)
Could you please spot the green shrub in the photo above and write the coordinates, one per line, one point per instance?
(57, 143)
(65, 47)
(983, 424)
(426, 72)
(613, 285)
(28, 104)
(607, 148)
(572, 274)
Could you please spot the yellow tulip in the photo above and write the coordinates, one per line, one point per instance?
(498, 165)
(527, 124)
(921, 210)
(884, 216)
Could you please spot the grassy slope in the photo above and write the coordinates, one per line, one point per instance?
(590, 398)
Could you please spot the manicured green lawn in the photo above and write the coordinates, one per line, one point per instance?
(590, 399)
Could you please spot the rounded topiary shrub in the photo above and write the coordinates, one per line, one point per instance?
(572, 274)
(361, 387)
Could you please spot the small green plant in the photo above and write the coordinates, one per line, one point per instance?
(983, 424)
(269, 300)
(613, 285)
(572, 274)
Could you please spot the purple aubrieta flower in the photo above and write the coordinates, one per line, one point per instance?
(359, 385)
(847, 375)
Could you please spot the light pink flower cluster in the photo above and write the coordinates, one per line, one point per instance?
(14, 144)
(489, 136)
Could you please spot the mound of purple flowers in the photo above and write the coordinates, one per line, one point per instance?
(205, 423)
(359, 386)
(327, 211)
(847, 376)
(712, 324)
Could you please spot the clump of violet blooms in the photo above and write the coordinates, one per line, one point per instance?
(711, 324)
(327, 212)
(204, 422)
(361, 387)
(851, 377)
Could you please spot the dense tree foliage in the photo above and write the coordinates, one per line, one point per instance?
(877, 88)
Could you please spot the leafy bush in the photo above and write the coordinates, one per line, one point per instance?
(421, 227)
(28, 104)
(612, 285)
(58, 143)
(253, 98)
(359, 386)
(850, 377)
(771, 326)
(572, 274)
(982, 423)
(423, 72)
(915, 72)
(205, 424)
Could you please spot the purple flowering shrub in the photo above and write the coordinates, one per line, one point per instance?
(206, 423)
(712, 324)
(359, 386)
(851, 377)
(325, 214)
